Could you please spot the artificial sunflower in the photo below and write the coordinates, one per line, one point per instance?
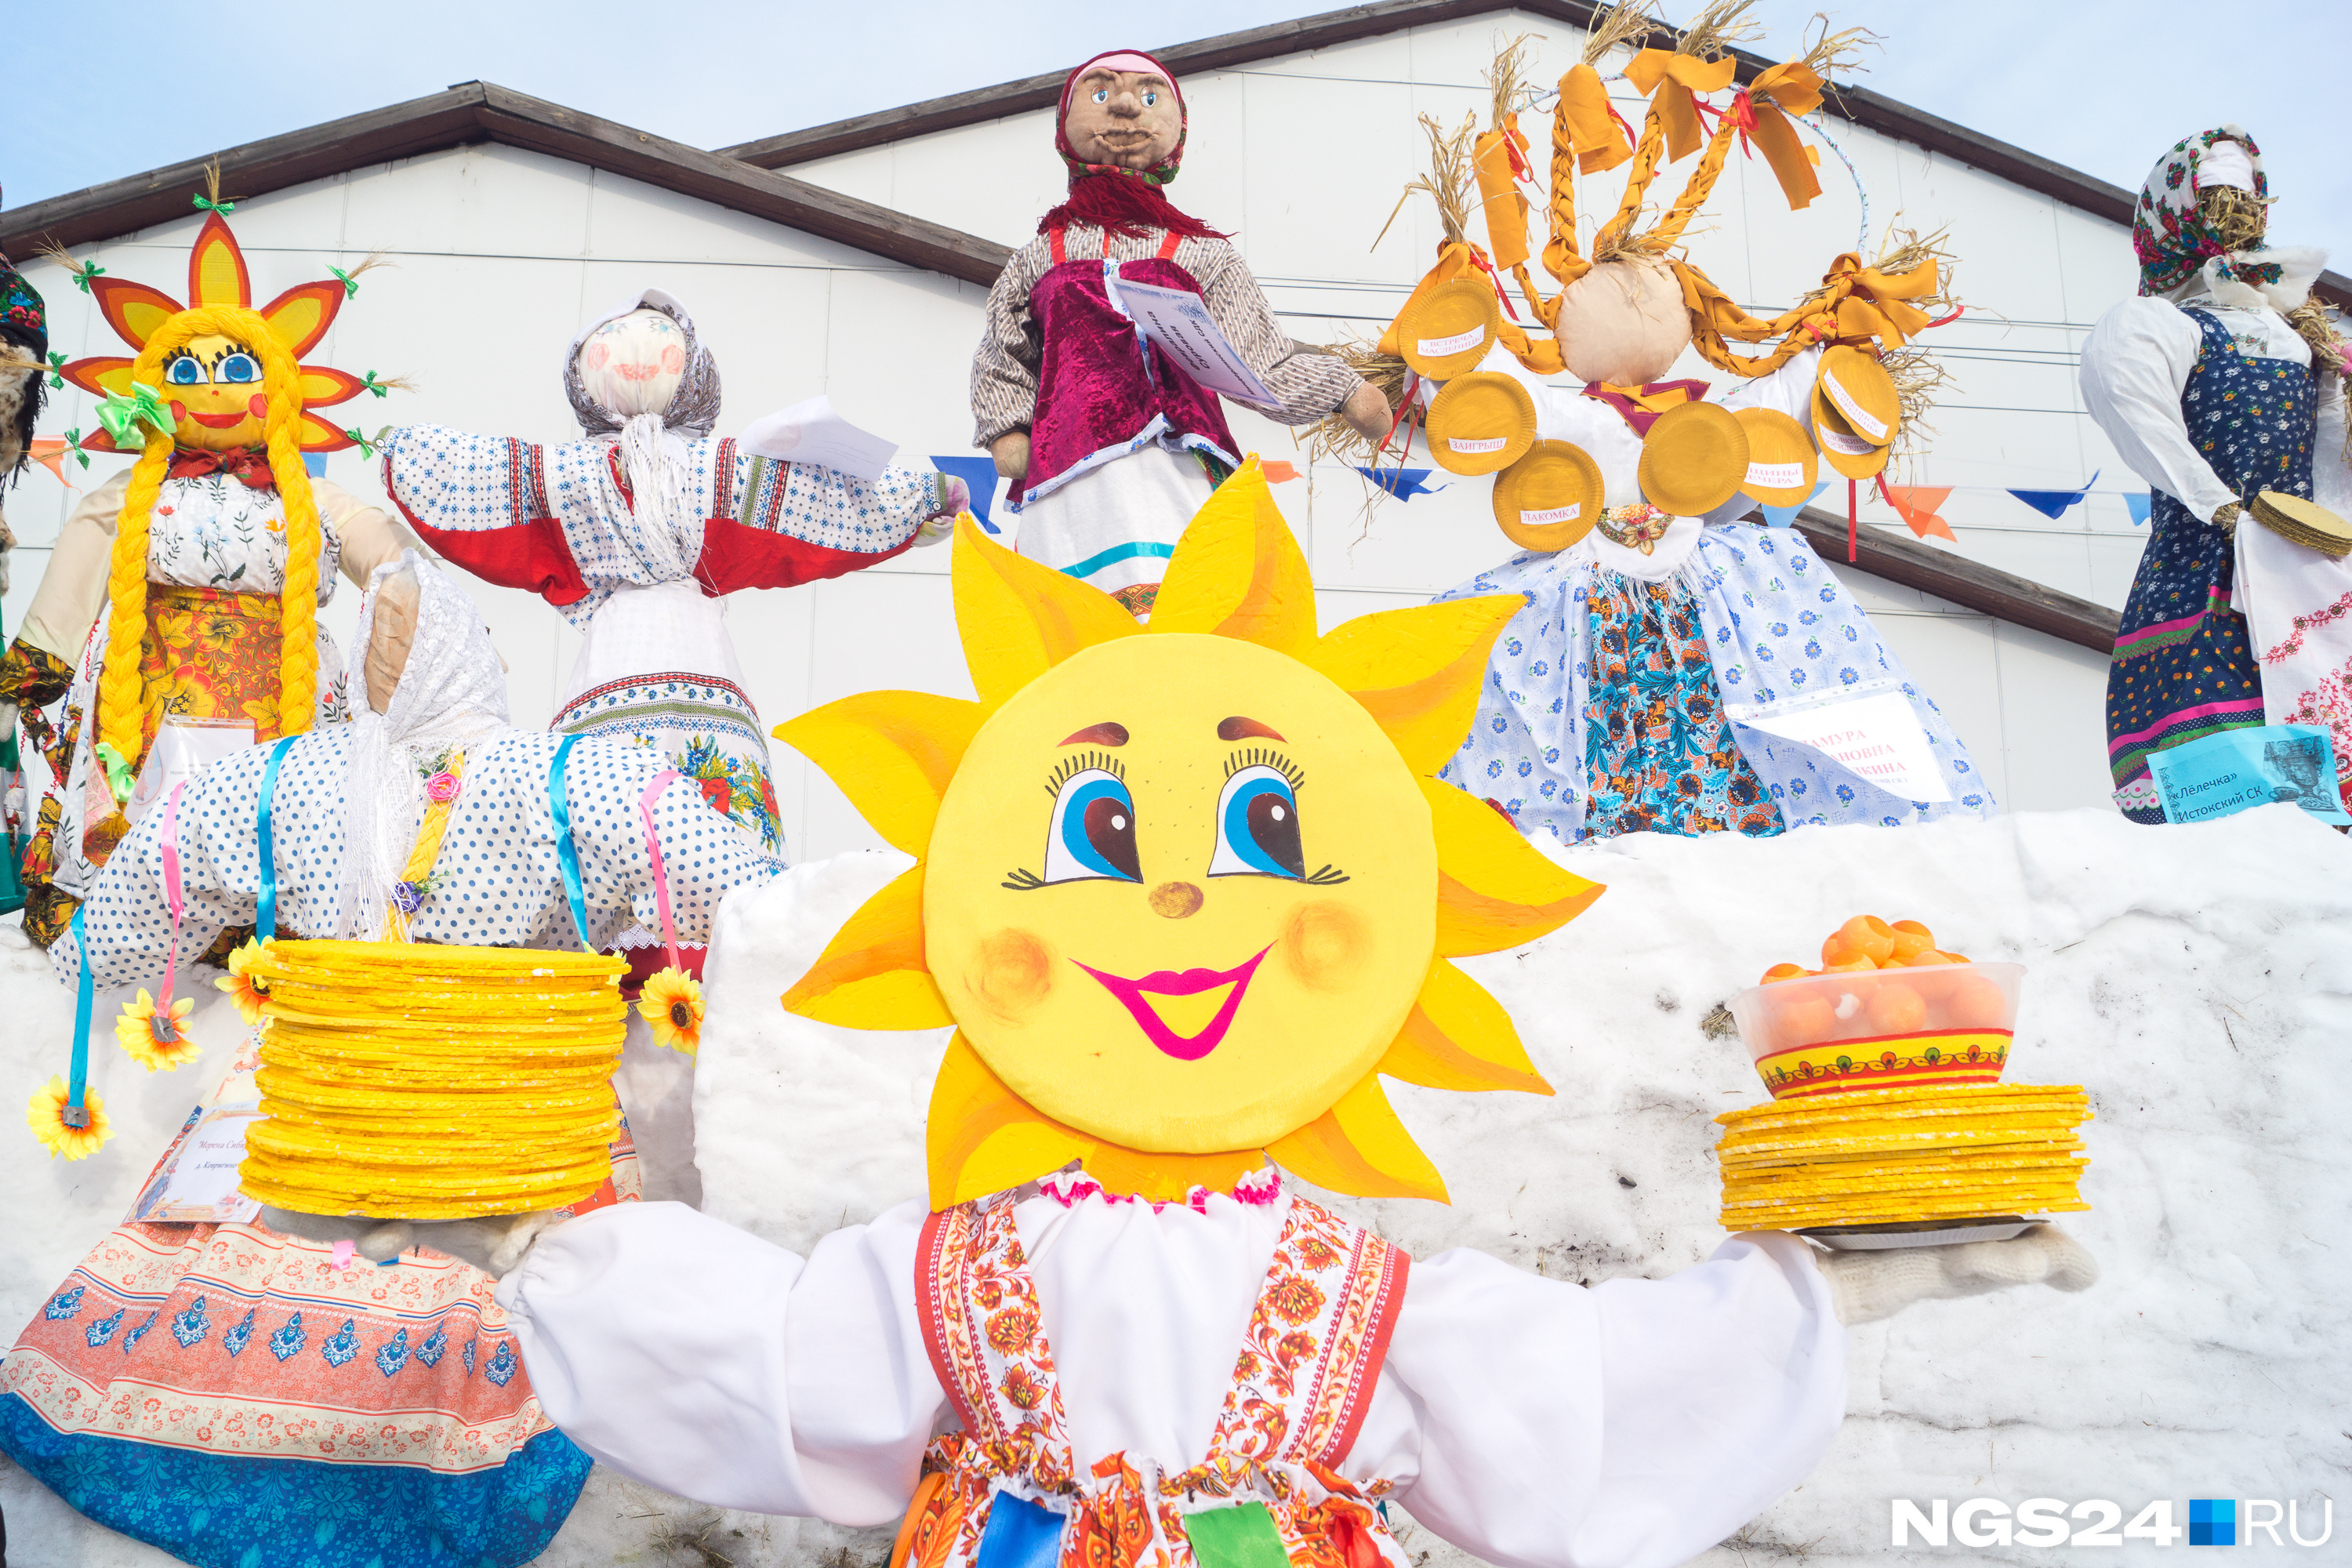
(156, 1034)
(242, 987)
(46, 1115)
(672, 1002)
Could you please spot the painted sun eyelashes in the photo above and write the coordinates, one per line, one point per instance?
(233, 365)
(1091, 836)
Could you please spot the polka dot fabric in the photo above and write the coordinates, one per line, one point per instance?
(498, 880)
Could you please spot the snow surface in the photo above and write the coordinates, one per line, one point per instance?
(2198, 980)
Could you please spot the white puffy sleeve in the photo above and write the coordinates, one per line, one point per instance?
(1787, 390)
(2135, 367)
(699, 1358)
(1540, 1425)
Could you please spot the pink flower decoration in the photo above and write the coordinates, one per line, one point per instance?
(441, 788)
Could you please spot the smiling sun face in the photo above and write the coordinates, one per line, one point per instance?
(1186, 891)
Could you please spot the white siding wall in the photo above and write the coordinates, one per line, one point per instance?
(501, 254)
(1303, 157)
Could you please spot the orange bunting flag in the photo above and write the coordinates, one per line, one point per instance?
(1277, 471)
(49, 451)
(1917, 505)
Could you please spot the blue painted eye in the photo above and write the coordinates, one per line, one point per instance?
(1150, 98)
(1102, 95)
(1092, 835)
(1257, 827)
(183, 372)
(238, 368)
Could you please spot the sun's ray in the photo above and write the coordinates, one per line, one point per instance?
(1358, 1146)
(1459, 1037)
(133, 309)
(100, 375)
(1493, 891)
(300, 317)
(323, 388)
(892, 753)
(872, 974)
(321, 435)
(981, 1138)
(1237, 571)
(1019, 619)
(216, 272)
(1417, 671)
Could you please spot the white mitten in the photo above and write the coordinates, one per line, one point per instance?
(1868, 1286)
(494, 1245)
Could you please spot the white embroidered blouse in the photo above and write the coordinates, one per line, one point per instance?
(1535, 1422)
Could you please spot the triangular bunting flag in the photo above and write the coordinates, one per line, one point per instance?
(1403, 483)
(1277, 471)
(49, 451)
(2053, 504)
(1917, 505)
(979, 475)
(2139, 506)
(1780, 516)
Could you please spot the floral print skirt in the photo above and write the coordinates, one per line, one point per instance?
(1658, 750)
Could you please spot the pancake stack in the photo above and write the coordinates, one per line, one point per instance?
(1912, 1156)
(419, 1081)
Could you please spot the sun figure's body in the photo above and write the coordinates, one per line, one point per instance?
(1231, 906)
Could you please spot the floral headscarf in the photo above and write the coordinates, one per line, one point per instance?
(2169, 234)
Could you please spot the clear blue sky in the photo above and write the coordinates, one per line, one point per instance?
(2105, 88)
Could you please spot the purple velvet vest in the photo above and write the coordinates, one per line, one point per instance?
(1102, 393)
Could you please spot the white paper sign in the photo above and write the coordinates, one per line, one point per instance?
(1876, 738)
(1438, 348)
(1178, 321)
(812, 432)
(198, 1180)
(1477, 443)
(1776, 476)
(1567, 513)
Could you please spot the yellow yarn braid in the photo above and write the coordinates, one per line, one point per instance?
(120, 721)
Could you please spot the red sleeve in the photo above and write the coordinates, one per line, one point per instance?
(532, 555)
(736, 557)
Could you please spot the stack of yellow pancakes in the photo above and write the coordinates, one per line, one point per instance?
(415, 1081)
(1908, 1156)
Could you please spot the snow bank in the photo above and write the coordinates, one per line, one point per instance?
(2198, 980)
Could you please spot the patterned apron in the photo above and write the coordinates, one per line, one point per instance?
(2183, 668)
(1004, 1493)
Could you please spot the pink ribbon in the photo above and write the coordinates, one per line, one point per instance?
(171, 888)
(661, 877)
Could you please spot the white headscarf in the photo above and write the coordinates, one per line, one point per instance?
(657, 518)
(453, 692)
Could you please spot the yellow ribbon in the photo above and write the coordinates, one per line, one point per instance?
(1652, 69)
(1856, 305)
(1498, 191)
(1775, 95)
(1456, 257)
(1584, 123)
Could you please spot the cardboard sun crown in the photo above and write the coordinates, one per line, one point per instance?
(1232, 904)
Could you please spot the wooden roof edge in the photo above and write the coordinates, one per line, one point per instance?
(1857, 105)
(1968, 583)
(483, 112)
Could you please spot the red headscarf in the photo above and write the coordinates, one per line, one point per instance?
(1125, 201)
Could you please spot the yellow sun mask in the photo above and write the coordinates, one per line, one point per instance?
(1185, 890)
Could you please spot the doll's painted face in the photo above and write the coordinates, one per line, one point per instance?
(1622, 322)
(633, 365)
(213, 387)
(1171, 923)
(1129, 120)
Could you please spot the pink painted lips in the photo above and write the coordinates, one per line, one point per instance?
(1186, 983)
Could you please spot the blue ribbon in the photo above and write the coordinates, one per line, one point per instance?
(265, 919)
(566, 854)
(80, 1079)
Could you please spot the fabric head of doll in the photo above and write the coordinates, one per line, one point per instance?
(2184, 255)
(450, 692)
(1120, 201)
(1623, 324)
(642, 358)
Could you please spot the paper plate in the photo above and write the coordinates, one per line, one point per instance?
(1694, 459)
(1448, 330)
(1549, 499)
(1842, 449)
(1927, 1233)
(2304, 522)
(1480, 422)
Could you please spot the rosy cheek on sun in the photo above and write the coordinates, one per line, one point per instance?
(1324, 944)
(1010, 972)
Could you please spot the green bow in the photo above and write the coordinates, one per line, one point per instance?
(224, 208)
(57, 363)
(85, 273)
(350, 284)
(366, 446)
(123, 414)
(73, 445)
(369, 380)
(118, 771)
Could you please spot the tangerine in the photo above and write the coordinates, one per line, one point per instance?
(1975, 1003)
(1897, 1009)
(1781, 972)
(1867, 935)
(1803, 1020)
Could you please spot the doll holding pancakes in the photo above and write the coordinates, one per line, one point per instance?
(1673, 647)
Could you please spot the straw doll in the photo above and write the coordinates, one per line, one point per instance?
(1109, 447)
(2224, 379)
(1663, 626)
(1114, 1332)
(245, 1391)
(183, 594)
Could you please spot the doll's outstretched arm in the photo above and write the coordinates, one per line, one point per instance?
(1004, 367)
(1310, 382)
(1868, 1286)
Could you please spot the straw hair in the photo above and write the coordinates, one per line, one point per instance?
(121, 718)
(1506, 82)
(1333, 438)
(57, 254)
(1714, 31)
(1626, 25)
(1448, 182)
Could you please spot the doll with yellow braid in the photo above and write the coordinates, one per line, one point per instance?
(178, 618)
(1674, 645)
